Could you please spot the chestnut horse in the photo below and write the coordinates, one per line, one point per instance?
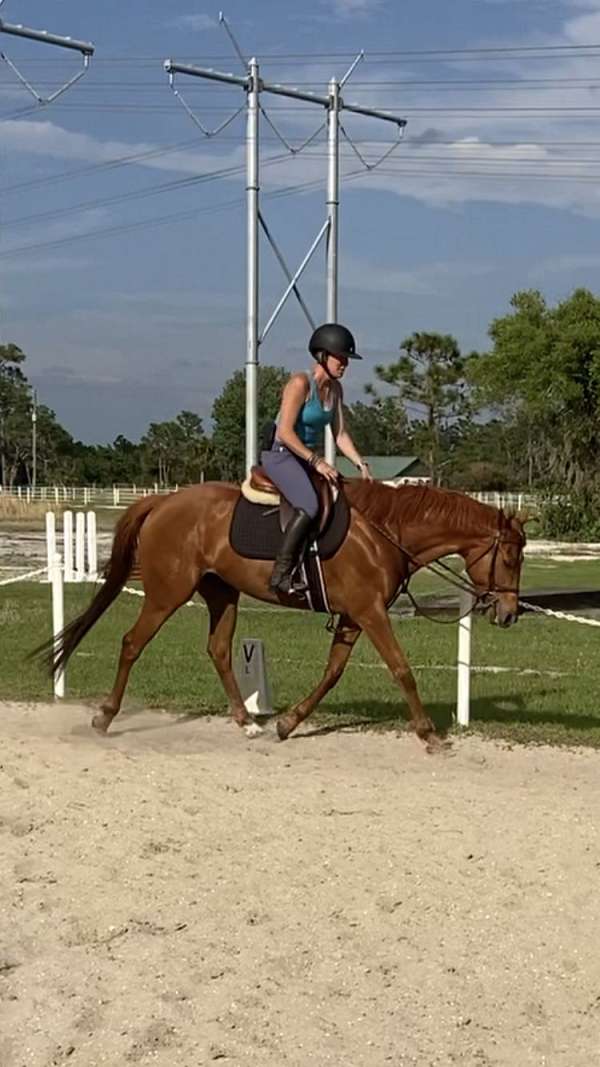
(182, 545)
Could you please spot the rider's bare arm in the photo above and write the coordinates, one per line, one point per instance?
(343, 440)
(294, 396)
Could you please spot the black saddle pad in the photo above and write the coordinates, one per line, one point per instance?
(255, 530)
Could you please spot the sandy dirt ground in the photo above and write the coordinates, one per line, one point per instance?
(177, 894)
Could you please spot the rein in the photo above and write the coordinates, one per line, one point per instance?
(442, 570)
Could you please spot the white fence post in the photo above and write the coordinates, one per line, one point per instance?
(92, 547)
(50, 541)
(68, 545)
(80, 547)
(465, 626)
(58, 617)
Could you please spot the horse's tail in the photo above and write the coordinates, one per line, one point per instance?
(56, 652)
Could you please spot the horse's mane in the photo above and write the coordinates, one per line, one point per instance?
(392, 507)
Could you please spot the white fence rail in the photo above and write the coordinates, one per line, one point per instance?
(516, 501)
(114, 496)
(122, 495)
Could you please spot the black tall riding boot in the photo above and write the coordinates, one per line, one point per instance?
(281, 580)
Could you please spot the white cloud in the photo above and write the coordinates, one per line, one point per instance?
(430, 279)
(356, 8)
(541, 4)
(12, 268)
(567, 263)
(196, 22)
(49, 139)
(466, 169)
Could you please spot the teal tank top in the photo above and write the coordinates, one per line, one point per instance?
(313, 418)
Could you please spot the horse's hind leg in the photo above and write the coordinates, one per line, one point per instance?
(222, 602)
(345, 638)
(148, 623)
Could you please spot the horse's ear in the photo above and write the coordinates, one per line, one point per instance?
(521, 515)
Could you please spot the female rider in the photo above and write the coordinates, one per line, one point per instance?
(309, 403)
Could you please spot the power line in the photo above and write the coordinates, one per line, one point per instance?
(303, 187)
(292, 109)
(409, 149)
(342, 55)
(494, 175)
(109, 164)
(416, 158)
(125, 228)
(459, 83)
(192, 181)
(164, 219)
(139, 194)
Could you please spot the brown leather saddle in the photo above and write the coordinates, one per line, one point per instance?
(327, 495)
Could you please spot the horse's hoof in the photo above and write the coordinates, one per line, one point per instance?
(252, 729)
(284, 729)
(102, 721)
(435, 745)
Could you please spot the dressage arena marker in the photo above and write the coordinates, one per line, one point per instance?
(252, 678)
(254, 675)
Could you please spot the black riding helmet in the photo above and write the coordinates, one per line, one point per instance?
(331, 337)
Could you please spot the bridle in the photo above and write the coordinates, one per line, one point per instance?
(498, 540)
(464, 584)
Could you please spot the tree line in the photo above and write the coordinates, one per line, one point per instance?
(523, 415)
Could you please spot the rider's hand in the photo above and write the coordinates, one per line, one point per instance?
(365, 472)
(327, 471)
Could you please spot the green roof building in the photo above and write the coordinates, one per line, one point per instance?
(387, 468)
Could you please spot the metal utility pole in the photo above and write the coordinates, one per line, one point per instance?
(86, 49)
(253, 264)
(334, 104)
(333, 199)
(34, 442)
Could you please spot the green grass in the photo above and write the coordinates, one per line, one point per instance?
(175, 672)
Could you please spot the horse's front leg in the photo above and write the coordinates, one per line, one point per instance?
(378, 628)
(345, 638)
(222, 602)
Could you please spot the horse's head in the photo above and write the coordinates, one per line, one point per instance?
(494, 567)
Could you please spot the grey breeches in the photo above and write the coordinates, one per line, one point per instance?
(288, 472)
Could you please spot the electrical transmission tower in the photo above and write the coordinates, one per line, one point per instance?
(333, 103)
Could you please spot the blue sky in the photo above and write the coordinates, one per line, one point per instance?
(131, 309)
